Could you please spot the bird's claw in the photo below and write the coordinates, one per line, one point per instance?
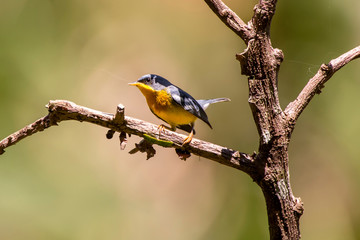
(161, 128)
(188, 139)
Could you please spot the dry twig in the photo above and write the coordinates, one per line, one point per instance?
(62, 110)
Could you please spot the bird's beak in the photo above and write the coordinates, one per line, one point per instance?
(134, 84)
(143, 87)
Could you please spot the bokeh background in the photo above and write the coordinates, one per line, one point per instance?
(70, 182)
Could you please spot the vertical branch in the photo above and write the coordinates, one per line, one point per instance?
(263, 13)
(261, 63)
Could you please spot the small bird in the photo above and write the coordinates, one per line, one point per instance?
(173, 105)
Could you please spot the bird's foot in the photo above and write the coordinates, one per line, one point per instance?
(188, 139)
(161, 128)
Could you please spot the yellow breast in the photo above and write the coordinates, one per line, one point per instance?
(161, 104)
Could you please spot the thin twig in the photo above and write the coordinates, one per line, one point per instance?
(62, 110)
(316, 83)
(118, 119)
(37, 126)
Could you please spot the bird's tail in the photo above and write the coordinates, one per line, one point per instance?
(206, 102)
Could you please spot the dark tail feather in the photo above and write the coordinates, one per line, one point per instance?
(206, 102)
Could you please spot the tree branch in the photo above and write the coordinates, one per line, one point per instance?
(233, 21)
(261, 62)
(263, 13)
(316, 83)
(61, 110)
(37, 126)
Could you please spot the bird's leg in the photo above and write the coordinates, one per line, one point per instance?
(161, 128)
(188, 139)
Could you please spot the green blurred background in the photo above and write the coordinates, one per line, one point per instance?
(70, 182)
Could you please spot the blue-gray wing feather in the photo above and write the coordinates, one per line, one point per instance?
(186, 101)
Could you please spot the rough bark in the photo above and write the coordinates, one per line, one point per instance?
(62, 110)
(261, 63)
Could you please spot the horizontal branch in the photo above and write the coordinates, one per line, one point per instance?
(61, 110)
(316, 83)
(233, 21)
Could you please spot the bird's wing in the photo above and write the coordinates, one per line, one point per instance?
(186, 101)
